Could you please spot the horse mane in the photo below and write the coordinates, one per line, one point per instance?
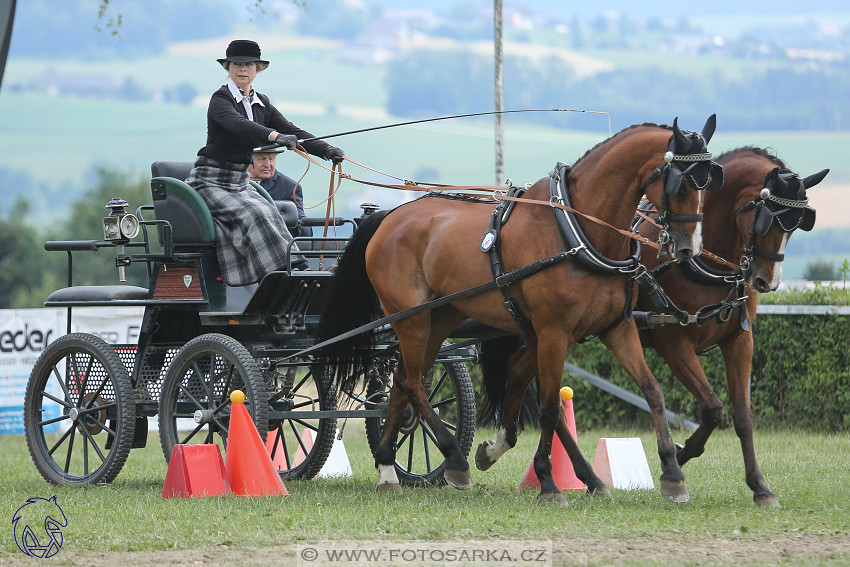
(755, 150)
(623, 131)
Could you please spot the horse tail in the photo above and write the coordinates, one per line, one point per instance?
(497, 356)
(351, 301)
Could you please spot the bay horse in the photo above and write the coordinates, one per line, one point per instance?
(759, 206)
(429, 249)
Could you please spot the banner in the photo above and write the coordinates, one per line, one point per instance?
(25, 333)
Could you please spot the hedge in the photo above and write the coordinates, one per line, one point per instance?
(800, 378)
(800, 375)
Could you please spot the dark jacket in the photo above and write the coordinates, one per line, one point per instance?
(232, 137)
(284, 188)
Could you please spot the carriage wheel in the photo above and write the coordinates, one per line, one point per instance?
(79, 412)
(194, 407)
(418, 460)
(301, 443)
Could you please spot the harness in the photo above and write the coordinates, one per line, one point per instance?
(580, 248)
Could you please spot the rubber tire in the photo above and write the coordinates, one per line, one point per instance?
(461, 389)
(325, 428)
(244, 374)
(99, 360)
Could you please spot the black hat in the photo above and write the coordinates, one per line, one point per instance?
(242, 51)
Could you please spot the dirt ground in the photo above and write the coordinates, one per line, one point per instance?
(584, 552)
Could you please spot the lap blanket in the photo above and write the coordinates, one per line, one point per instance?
(251, 236)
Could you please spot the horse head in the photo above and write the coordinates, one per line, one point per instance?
(780, 208)
(687, 165)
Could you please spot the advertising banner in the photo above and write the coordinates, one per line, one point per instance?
(25, 333)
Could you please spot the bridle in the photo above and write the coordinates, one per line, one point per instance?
(788, 214)
(677, 166)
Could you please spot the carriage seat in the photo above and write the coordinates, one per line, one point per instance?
(97, 294)
(179, 204)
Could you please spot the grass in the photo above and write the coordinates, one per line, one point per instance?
(808, 472)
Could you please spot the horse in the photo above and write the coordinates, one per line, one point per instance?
(433, 248)
(759, 206)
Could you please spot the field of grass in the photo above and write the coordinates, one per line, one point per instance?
(60, 141)
(720, 524)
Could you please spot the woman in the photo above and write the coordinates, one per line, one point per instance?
(251, 234)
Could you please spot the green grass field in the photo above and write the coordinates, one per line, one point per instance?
(809, 473)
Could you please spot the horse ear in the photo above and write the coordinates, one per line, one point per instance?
(814, 178)
(710, 126)
(681, 140)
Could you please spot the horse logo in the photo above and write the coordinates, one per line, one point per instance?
(34, 513)
(187, 280)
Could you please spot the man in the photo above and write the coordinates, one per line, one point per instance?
(279, 186)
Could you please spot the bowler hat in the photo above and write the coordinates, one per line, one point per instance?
(242, 51)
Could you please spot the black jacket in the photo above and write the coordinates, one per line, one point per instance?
(232, 137)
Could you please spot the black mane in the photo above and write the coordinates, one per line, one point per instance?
(752, 149)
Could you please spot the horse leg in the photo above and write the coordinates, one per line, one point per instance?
(738, 356)
(419, 345)
(386, 449)
(682, 360)
(624, 342)
(522, 367)
(550, 364)
(582, 468)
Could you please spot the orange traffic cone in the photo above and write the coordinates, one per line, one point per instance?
(195, 470)
(562, 468)
(249, 468)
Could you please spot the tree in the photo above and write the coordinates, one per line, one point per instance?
(18, 272)
(820, 270)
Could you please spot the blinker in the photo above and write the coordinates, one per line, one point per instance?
(672, 181)
(763, 220)
(716, 181)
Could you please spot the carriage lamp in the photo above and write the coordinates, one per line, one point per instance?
(119, 225)
(368, 209)
(119, 228)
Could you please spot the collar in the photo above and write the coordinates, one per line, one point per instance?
(237, 94)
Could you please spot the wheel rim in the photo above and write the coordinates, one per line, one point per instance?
(418, 459)
(195, 401)
(78, 412)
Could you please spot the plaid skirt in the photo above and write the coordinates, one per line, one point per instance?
(251, 236)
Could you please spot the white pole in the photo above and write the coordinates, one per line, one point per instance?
(499, 87)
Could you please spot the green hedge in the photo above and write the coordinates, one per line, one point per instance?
(800, 378)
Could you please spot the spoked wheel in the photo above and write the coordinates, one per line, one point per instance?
(194, 406)
(418, 460)
(302, 439)
(79, 412)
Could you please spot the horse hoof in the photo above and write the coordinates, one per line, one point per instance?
(674, 491)
(555, 498)
(461, 480)
(482, 460)
(768, 500)
(601, 492)
(393, 487)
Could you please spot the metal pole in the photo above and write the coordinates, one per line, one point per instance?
(499, 88)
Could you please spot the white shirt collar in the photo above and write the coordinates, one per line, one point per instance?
(246, 102)
(237, 94)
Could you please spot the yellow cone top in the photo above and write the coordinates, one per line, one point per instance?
(237, 397)
(566, 393)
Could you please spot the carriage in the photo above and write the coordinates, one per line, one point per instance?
(88, 403)
(201, 339)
